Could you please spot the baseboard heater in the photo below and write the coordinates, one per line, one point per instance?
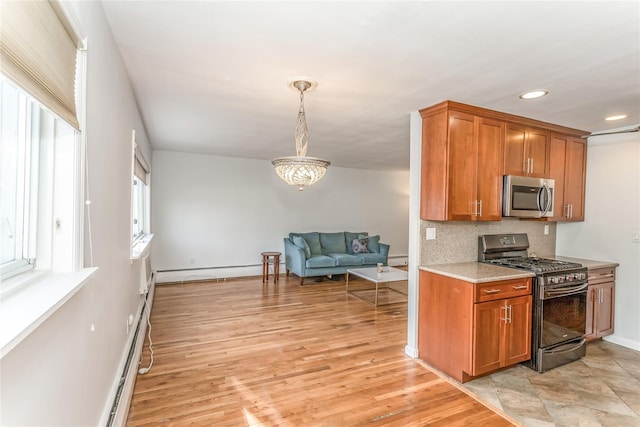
(120, 408)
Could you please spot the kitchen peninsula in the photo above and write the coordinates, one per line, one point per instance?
(476, 318)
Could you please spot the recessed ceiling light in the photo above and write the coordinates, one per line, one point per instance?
(617, 117)
(533, 94)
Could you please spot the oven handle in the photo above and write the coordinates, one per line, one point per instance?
(566, 350)
(566, 290)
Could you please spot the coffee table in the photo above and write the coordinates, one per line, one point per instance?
(388, 275)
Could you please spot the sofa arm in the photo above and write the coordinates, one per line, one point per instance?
(294, 259)
(384, 250)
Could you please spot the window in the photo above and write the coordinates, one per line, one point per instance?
(38, 152)
(138, 205)
(140, 227)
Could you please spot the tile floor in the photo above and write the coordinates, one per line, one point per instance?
(601, 389)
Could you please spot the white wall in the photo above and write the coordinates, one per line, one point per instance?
(63, 374)
(213, 212)
(612, 210)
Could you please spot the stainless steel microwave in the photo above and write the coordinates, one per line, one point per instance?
(527, 197)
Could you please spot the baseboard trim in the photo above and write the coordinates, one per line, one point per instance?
(411, 351)
(223, 273)
(633, 345)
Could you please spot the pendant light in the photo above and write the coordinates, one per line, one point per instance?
(301, 170)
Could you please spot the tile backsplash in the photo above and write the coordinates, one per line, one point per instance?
(457, 241)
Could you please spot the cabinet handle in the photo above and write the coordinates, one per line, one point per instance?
(491, 291)
(507, 314)
(480, 203)
(520, 287)
(510, 312)
(566, 209)
(506, 317)
(531, 171)
(608, 275)
(600, 295)
(571, 210)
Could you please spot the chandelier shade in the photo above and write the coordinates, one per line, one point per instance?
(300, 170)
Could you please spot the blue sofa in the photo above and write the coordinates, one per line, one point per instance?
(325, 254)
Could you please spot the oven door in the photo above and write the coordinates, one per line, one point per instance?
(563, 314)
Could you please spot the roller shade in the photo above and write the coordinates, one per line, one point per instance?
(38, 50)
(140, 166)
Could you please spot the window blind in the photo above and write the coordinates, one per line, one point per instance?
(38, 50)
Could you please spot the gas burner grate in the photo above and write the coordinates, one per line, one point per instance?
(535, 264)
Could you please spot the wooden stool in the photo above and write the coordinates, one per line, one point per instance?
(266, 260)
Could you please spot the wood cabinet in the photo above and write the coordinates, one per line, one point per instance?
(502, 334)
(468, 329)
(526, 151)
(567, 167)
(466, 150)
(462, 167)
(600, 303)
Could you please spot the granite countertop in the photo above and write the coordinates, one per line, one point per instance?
(476, 272)
(589, 263)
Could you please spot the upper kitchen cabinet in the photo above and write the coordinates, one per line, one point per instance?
(526, 151)
(461, 166)
(567, 167)
(466, 150)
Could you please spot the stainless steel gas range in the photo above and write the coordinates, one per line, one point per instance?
(559, 299)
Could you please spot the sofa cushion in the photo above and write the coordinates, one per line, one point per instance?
(302, 244)
(372, 258)
(349, 237)
(319, 261)
(359, 246)
(346, 259)
(373, 242)
(313, 240)
(333, 243)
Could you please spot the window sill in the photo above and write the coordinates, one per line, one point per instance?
(141, 247)
(38, 296)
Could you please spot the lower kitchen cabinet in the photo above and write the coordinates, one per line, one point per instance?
(600, 303)
(468, 329)
(502, 334)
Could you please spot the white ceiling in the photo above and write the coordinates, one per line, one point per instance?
(211, 77)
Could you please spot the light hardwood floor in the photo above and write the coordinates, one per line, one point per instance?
(240, 353)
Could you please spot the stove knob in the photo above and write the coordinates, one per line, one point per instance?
(559, 279)
(569, 277)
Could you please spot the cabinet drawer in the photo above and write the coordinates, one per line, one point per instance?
(601, 275)
(491, 291)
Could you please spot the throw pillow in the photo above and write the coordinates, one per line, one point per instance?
(302, 244)
(374, 243)
(349, 236)
(359, 246)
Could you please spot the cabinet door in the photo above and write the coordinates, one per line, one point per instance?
(487, 337)
(515, 158)
(462, 167)
(557, 173)
(517, 346)
(537, 146)
(575, 168)
(526, 151)
(604, 306)
(489, 169)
